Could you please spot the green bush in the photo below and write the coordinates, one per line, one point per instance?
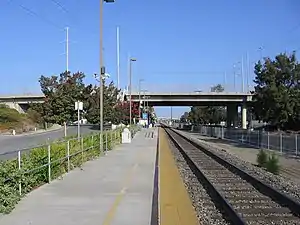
(8, 115)
(262, 158)
(272, 164)
(134, 129)
(34, 168)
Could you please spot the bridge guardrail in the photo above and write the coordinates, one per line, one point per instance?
(288, 144)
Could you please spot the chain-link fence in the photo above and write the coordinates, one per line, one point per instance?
(284, 143)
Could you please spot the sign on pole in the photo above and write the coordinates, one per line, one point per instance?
(145, 116)
(79, 105)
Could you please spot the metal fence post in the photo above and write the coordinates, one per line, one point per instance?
(111, 139)
(106, 141)
(49, 163)
(19, 166)
(92, 142)
(81, 149)
(296, 144)
(281, 143)
(258, 145)
(68, 155)
(100, 144)
(268, 140)
(222, 132)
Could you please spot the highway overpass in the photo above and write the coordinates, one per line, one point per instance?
(192, 98)
(232, 100)
(21, 102)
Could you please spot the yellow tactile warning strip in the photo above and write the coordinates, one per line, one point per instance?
(174, 202)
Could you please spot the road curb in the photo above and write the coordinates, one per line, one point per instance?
(35, 132)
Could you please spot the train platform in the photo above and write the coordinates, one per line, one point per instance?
(174, 201)
(136, 184)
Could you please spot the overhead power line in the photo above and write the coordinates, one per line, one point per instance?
(33, 13)
(60, 6)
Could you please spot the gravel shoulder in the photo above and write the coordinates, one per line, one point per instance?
(289, 167)
(284, 184)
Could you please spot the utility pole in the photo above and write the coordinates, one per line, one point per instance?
(140, 81)
(242, 74)
(225, 81)
(130, 88)
(234, 75)
(118, 58)
(250, 73)
(247, 71)
(102, 72)
(260, 53)
(67, 48)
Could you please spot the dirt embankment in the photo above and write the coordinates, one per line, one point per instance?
(11, 119)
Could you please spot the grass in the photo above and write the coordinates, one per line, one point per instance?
(16, 183)
(262, 158)
(269, 162)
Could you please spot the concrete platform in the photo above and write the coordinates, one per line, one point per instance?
(116, 189)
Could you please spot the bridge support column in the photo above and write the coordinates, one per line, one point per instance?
(232, 115)
(244, 116)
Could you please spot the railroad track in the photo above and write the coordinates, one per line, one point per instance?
(240, 197)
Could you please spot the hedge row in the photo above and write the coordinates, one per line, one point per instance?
(34, 172)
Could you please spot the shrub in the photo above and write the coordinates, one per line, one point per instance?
(272, 164)
(262, 158)
(36, 161)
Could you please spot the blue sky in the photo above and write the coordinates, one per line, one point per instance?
(179, 45)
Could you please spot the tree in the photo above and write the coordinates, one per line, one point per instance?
(277, 91)
(208, 114)
(61, 92)
(123, 113)
(184, 117)
(217, 88)
(110, 102)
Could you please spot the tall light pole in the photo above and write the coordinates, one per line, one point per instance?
(118, 58)
(260, 49)
(234, 75)
(140, 81)
(102, 68)
(67, 49)
(130, 78)
(242, 74)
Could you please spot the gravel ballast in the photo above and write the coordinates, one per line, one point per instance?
(206, 211)
(276, 181)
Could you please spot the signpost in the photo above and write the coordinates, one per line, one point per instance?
(145, 116)
(78, 107)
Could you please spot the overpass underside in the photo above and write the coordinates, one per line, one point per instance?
(190, 103)
(231, 109)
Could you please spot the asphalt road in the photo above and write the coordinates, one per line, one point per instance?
(14, 143)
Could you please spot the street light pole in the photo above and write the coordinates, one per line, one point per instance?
(130, 78)
(140, 81)
(100, 77)
(102, 69)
